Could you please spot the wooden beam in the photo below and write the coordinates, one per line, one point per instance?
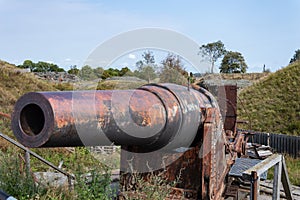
(286, 182)
(276, 181)
(263, 166)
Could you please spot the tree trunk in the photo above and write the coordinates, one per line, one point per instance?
(212, 67)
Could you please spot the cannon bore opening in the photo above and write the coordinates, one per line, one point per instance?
(32, 119)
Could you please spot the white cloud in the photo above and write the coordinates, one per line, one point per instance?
(131, 56)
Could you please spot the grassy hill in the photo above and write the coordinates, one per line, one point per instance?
(273, 104)
(13, 84)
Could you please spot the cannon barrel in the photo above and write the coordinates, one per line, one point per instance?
(152, 116)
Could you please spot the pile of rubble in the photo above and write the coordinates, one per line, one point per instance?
(58, 77)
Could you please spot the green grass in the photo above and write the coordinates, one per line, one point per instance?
(273, 104)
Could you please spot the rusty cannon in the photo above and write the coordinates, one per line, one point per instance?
(163, 128)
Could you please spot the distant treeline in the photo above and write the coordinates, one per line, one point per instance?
(40, 66)
(171, 69)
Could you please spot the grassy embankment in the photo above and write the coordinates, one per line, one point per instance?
(273, 105)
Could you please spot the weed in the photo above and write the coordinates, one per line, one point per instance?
(15, 180)
(153, 186)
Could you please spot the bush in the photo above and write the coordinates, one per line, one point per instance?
(92, 182)
(14, 179)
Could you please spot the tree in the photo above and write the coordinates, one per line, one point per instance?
(125, 71)
(41, 66)
(105, 75)
(147, 73)
(146, 67)
(27, 64)
(233, 62)
(296, 56)
(173, 70)
(98, 71)
(110, 72)
(148, 57)
(73, 70)
(54, 68)
(87, 73)
(213, 51)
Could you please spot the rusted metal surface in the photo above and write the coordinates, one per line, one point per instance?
(55, 118)
(226, 96)
(184, 172)
(154, 118)
(254, 186)
(151, 117)
(230, 109)
(202, 168)
(214, 161)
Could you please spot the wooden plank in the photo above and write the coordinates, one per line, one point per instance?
(288, 145)
(285, 181)
(255, 138)
(260, 138)
(263, 138)
(263, 153)
(276, 182)
(293, 147)
(271, 140)
(281, 143)
(275, 143)
(298, 147)
(263, 166)
(290, 140)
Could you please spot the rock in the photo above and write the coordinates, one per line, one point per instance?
(59, 77)
(52, 179)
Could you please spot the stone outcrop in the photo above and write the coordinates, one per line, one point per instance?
(59, 77)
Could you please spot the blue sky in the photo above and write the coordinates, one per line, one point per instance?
(67, 31)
